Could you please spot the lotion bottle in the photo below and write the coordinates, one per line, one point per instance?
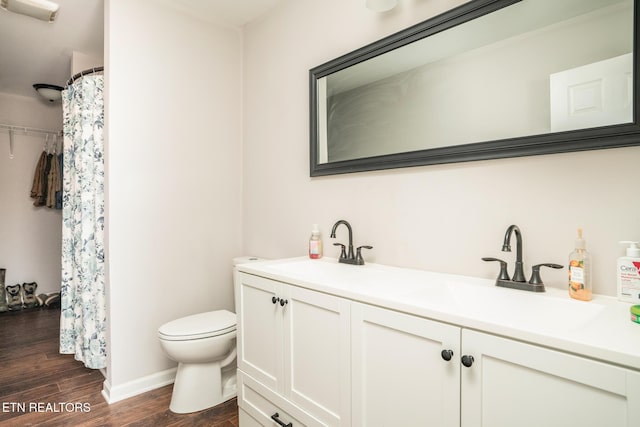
(628, 274)
(315, 243)
(580, 271)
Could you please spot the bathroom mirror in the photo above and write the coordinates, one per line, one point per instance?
(488, 79)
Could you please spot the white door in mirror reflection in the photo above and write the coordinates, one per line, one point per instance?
(596, 94)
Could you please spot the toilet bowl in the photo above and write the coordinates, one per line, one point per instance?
(204, 345)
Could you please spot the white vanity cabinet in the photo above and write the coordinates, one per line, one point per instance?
(294, 345)
(363, 348)
(511, 383)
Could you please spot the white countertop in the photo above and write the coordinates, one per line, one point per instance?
(600, 329)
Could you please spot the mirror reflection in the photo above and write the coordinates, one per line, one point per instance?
(534, 67)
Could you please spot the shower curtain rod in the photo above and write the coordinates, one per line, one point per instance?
(84, 73)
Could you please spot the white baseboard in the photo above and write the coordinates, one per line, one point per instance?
(138, 386)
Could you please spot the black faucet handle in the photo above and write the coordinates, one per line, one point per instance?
(359, 259)
(503, 268)
(343, 253)
(535, 272)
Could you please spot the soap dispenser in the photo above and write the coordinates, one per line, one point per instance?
(628, 274)
(315, 243)
(580, 270)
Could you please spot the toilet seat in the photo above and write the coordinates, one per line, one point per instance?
(198, 326)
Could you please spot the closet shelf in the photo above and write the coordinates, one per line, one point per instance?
(27, 130)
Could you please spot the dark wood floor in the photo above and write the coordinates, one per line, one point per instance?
(40, 387)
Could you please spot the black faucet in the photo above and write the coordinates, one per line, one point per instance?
(348, 257)
(518, 274)
(333, 236)
(519, 281)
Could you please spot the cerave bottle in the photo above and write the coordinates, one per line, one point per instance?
(628, 274)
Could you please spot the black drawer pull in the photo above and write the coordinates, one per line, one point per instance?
(276, 417)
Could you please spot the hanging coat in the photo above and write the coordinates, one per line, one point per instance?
(59, 192)
(38, 177)
(54, 184)
(42, 200)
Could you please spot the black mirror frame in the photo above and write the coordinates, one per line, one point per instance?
(614, 136)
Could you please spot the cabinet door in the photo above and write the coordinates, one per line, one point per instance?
(515, 384)
(259, 329)
(317, 354)
(400, 377)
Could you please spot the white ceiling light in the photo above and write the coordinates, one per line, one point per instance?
(51, 93)
(40, 9)
(381, 5)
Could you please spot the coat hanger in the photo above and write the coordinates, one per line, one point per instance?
(11, 156)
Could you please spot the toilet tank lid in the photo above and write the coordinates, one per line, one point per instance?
(201, 323)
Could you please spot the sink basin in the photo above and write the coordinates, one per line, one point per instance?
(369, 277)
(524, 310)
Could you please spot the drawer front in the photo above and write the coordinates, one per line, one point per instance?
(247, 420)
(259, 406)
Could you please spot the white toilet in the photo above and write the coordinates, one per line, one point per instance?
(204, 345)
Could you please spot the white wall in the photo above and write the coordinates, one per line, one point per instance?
(81, 62)
(441, 218)
(30, 237)
(174, 178)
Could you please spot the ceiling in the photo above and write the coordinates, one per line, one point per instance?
(33, 51)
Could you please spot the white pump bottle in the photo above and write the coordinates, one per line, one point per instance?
(628, 274)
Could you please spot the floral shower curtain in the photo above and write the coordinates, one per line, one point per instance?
(83, 317)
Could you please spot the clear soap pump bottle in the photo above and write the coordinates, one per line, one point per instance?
(580, 271)
(315, 243)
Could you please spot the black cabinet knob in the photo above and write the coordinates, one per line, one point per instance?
(283, 302)
(275, 299)
(447, 354)
(467, 360)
